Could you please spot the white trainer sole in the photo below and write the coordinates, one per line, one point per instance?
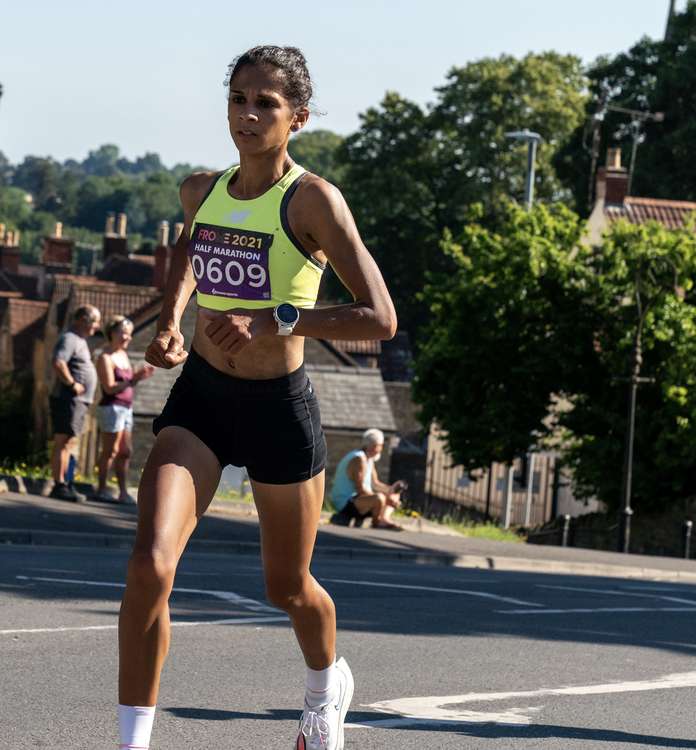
(342, 665)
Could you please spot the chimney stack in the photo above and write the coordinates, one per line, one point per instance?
(163, 233)
(115, 242)
(57, 253)
(162, 256)
(612, 179)
(9, 250)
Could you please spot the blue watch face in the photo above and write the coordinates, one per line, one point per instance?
(287, 313)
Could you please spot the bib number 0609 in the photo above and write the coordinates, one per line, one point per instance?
(234, 272)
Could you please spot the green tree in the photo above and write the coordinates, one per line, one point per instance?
(485, 99)
(640, 273)
(5, 170)
(316, 151)
(389, 184)
(15, 207)
(159, 194)
(410, 172)
(103, 161)
(40, 177)
(496, 349)
(533, 316)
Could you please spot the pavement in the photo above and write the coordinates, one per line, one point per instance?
(232, 527)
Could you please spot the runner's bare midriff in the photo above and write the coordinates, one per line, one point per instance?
(264, 358)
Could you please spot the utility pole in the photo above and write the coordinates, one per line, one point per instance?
(670, 16)
(638, 118)
(532, 140)
(624, 540)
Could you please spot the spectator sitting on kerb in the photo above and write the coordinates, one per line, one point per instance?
(357, 490)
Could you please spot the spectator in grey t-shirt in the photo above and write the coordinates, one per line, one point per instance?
(73, 392)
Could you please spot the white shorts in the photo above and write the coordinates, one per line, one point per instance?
(115, 418)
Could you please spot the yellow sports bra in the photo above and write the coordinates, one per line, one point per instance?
(243, 252)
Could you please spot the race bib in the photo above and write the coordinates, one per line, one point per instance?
(231, 262)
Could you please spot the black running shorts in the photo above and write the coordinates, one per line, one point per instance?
(272, 427)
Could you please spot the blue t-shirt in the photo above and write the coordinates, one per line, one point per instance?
(344, 488)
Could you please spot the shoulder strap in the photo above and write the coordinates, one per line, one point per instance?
(216, 180)
(287, 180)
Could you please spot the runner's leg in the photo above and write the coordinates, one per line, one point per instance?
(289, 517)
(178, 483)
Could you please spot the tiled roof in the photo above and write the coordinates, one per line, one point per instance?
(146, 324)
(64, 282)
(135, 269)
(357, 347)
(350, 398)
(320, 352)
(396, 359)
(24, 320)
(25, 312)
(17, 282)
(112, 299)
(151, 394)
(673, 214)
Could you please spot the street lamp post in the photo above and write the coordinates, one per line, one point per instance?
(532, 140)
(624, 541)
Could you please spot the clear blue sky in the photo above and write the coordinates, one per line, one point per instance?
(148, 75)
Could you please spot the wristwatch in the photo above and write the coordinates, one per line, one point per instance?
(286, 316)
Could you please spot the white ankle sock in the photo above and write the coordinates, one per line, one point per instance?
(321, 685)
(135, 725)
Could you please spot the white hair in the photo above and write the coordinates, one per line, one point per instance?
(371, 437)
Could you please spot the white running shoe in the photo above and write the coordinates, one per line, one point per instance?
(321, 727)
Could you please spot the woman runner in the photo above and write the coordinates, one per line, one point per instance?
(255, 242)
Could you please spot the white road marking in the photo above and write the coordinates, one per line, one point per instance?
(431, 710)
(464, 592)
(55, 570)
(271, 614)
(614, 592)
(228, 596)
(656, 588)
(589, 610)
(230, 621)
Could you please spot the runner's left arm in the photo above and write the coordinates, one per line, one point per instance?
(330, 224)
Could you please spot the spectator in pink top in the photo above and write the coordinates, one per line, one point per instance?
(115, 410)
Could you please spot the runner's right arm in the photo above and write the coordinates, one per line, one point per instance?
(167, 347)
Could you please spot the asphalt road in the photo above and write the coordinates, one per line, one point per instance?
(442, 657)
